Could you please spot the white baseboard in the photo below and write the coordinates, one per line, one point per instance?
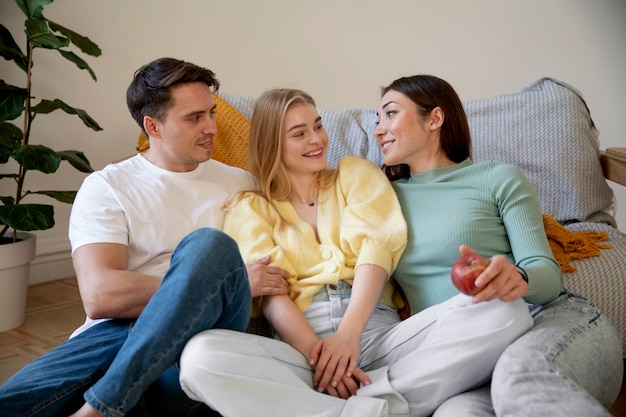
(53, 260)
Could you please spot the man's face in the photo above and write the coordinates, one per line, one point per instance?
(184, 137)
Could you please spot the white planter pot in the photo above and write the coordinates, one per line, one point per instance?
(15, 259)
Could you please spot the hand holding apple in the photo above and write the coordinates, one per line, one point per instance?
(465, 271)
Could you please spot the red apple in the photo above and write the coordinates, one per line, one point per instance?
(465, 271)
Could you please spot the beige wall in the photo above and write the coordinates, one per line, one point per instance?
(340, 51)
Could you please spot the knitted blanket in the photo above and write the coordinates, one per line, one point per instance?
(567, 245)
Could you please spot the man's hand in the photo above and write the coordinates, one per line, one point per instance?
(266, 279)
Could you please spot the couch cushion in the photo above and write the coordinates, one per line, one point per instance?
(546, 130)
(602, 279)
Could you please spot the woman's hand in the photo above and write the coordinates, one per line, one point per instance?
(500, 279)
(348, 386)
(335, 359)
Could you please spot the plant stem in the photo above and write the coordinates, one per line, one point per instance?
(26, 135)
(27, 122)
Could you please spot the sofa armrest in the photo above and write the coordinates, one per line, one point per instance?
(613, 162)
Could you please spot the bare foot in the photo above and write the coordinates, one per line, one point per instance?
(86, 411)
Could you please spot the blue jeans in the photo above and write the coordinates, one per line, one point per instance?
(125, 367)
(568, 364)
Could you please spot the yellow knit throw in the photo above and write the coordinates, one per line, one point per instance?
(567, 245)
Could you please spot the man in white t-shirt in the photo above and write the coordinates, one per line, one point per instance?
(152, 265)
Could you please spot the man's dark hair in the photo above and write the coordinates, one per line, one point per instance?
(149, 94)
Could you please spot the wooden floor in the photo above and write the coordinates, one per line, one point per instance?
(54, 310)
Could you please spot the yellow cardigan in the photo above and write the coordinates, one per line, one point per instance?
(359, 221)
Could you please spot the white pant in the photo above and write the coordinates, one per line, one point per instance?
(414, 365)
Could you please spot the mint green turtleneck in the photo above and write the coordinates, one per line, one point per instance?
(489, 206)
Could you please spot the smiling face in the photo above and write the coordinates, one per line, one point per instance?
(184, 137)
(405, 136)
(305, 141)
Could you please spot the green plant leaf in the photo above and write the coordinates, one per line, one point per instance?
(38, 33)
(82, 42)
(77, 159)
(28, 217)
(7, 199)
(9, 49)
(10, 140)
(11, 101)
(62, 196)
(32, 7)
(38, 157)
(47, 106)
(71, 56)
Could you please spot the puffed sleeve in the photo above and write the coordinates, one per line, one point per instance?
(372, 227)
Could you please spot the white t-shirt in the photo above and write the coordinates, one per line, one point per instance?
(149, 209)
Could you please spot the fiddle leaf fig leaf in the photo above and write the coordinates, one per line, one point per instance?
(9, 49)
(47, 106)
(38, 33)
(80, 63)
(6, 200)
(10, 140)
(32, 8)
(11, 101)
(82, 42)
(28, 217)
(77, 159)
(62, 196)
(38, 157)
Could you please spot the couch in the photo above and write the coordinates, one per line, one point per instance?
(546, 130)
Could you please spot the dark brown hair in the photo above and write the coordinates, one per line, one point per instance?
(428, 92)
(149, 93)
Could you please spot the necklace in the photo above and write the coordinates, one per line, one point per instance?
(310, 203)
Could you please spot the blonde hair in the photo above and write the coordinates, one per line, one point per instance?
(266, 137)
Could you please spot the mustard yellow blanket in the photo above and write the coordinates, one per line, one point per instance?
(567, 245)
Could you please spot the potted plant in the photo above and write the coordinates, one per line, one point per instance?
(18, 155)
